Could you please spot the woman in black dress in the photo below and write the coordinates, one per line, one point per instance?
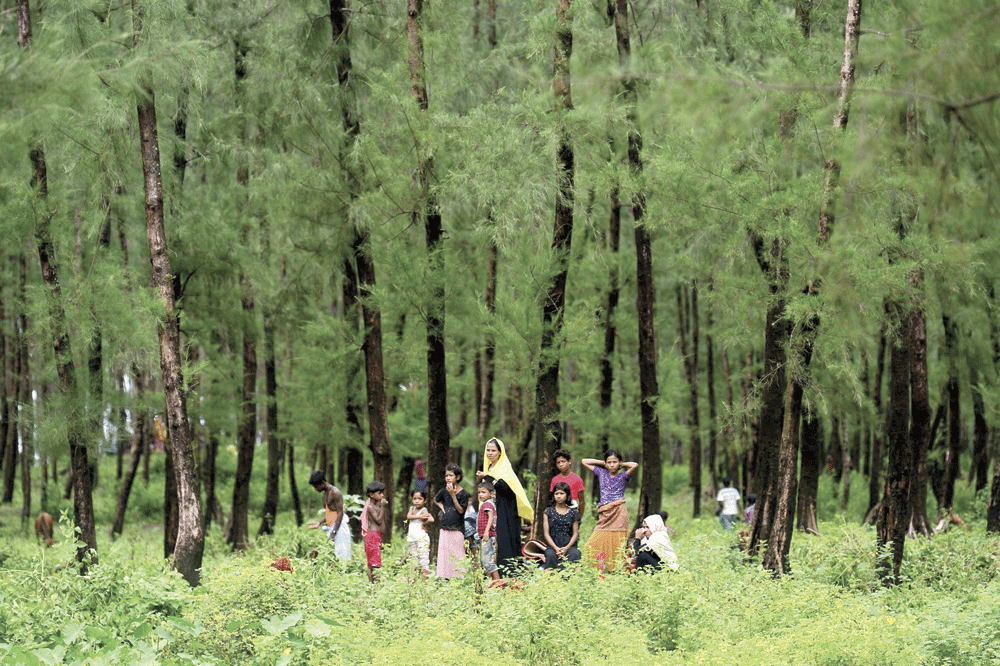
(512, 505)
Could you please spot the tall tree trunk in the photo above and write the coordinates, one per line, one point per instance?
(378, 426)
(713, 444)
(779, 538)
(812, 466)
(980, 452)
(438, 435)
(649, 391)
(878, 442)
(489, 351)
(548, 430)
(687, 308)
(25, 431)
(773, 262)
(135, 446)
(895, 511)
(190, 535)
(83, 507)
(954, 413)
(610, 305)
(274, 452)
(920, 405)
(239, 534)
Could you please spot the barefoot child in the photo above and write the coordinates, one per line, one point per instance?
(609, 535)
(416, 536)
(372, 526)
(486, 527)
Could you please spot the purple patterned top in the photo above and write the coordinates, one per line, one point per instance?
(612, 487)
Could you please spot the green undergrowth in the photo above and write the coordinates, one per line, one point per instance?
(718, 609)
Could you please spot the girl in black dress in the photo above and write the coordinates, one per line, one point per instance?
(561, 524)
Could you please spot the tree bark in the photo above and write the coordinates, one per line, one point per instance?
(548, 429)
(83, 507)
(438, 435)
(246, 439)
(920, 408)
(878, 447)
(811, 467)
(895, 511)
(651, 490)
(954, 413)
(135, 446)
(190, 535)
(489, 349)
(274, 452)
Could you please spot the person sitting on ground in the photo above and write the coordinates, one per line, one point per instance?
(654, 548)
(561, 528)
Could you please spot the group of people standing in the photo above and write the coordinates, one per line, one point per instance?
(494, 532)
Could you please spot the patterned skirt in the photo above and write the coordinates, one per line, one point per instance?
(606, 545)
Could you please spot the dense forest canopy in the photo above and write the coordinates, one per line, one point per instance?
(787, 182)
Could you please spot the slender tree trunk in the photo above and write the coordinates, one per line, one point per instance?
(651, 490)
(878, 447)
(438, 435)
(135, 446)
(980, 438)
(548, 429)
(246, 439)
(610, 305)
(710, 388)
(24, 421)
(378, 426)
(489, 352)
(687, 306)
(954, 413)
(274, 452)
(190, 535)
(83, 507)
(920, 406)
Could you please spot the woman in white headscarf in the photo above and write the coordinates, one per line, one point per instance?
(511, 502)
(654, 549)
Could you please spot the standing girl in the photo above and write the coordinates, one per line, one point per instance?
(561, 527)
(610, 533)
(512, 504)
(452, 501)
(417, 539)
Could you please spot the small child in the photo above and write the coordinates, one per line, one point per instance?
(372, 526)
(416, 536)
(486, 527)
(564, 463)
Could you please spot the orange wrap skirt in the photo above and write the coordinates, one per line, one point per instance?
(606, 545)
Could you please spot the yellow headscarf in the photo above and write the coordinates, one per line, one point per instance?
(501, 469)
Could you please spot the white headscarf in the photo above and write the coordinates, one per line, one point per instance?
(658, 541)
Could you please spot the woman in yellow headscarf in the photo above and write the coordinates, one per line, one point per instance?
(511, 502)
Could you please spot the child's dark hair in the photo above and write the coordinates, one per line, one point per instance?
(418, 491)
(456, 469)
(317, 478)
(612, 452)
(751, 498)
(562, 453)
(563, 486)
(374, 487)
(488, 485)
(664, 515)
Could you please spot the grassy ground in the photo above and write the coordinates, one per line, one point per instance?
(718, 609)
